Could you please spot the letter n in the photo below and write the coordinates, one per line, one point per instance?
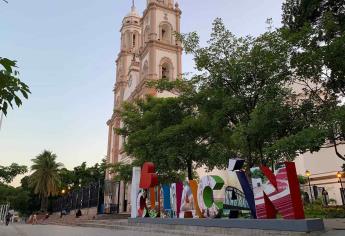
(277, 192)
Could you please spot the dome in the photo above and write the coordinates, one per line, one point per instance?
(133, 12)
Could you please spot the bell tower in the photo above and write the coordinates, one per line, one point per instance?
(160, 52)
(148, 51)
(129, 49)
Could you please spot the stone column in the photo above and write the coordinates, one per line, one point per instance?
(121, 196)
(153, 23)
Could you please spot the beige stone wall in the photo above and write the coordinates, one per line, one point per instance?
(323, 166)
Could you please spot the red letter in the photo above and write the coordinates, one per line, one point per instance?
(148, 178)
(277, 192)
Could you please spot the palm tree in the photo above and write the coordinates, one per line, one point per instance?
(45, 178)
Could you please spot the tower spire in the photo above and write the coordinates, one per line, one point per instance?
(133, 5)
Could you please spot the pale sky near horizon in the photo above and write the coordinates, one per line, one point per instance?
(66, 52)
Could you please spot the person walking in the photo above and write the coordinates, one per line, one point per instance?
(325, 198)
(8, 218)
(78, 214)
(34, 219)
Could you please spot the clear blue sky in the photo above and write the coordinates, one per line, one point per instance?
(66, 51)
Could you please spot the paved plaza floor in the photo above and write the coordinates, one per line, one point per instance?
(54, 230)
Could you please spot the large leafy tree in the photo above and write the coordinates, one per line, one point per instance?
(18, 198)
(240, 105)
(8, 173)
(243, 92)
(316, 33)
(45, 178)
(123, 171)
(82, 175)
(34, 203)
(164, 131)
(10, 85)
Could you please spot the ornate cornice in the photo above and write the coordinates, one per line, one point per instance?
(153, 5)
(161, 45)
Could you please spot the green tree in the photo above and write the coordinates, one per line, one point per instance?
(316, 33)
(165, 132)
(68, 178)
(34, 203)
(10, 85)
(239, 105)
(45, 178)
(17, 197)
(8, 173)
(244, 95)
(82, 175)
(123, 172)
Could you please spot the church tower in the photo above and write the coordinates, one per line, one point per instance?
(149, 51)
(129, 48)
(160, 53)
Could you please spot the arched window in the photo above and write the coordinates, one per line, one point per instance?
(166, 70)
(134, 40)
(165, 32)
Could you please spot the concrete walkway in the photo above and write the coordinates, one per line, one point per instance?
(54, 230)
(333, 227)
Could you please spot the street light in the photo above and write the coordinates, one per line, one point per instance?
(339, 175)
(308, 174)
(62, 199)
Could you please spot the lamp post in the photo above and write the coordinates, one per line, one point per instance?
(308, 174)
(63, 191)
(339, 175)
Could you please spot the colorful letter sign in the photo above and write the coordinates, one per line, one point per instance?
(135, 190)
(236, 165)
(148, 177)
(271, 193)
(207, 204)
(277, 192)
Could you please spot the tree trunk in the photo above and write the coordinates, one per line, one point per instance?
(190, 170)
(124, 197)
(336, 150)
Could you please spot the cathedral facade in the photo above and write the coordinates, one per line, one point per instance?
(148, 51)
